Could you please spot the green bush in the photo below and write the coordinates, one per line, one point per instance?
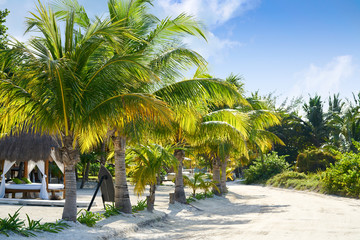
(259, 171)
(343, 177)
(140, 206)
(111, 210)
(88, 218)
(314, 160)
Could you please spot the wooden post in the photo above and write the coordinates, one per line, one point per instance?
(26, 169)
(172, 198)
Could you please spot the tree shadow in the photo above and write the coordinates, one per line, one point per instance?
(186, 219)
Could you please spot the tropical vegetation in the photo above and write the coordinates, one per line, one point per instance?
(112, 90)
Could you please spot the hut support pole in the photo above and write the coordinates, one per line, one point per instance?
(47, 173)
(25, 194)
(26, 173)
(64, 186)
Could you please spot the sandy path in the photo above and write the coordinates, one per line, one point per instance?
(254, 212)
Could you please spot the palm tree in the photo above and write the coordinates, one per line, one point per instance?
(188, 99)
(316, 120)
(237, 130)
(195, 182)
(150, 160)
(222, 131)
(152, 35)
(65, 85)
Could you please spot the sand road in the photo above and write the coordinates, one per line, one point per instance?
(255, 212)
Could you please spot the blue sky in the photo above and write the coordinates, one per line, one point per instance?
(289, 47)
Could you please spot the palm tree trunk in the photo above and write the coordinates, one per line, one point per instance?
(179, 181)
(70, 157)
(223, 176)
(122, 198)
(216, 176)
(151, 198)
(103, 152)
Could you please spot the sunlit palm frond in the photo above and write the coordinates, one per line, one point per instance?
(198, 90)
(237, 119)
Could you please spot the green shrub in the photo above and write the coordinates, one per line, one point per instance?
(259, 171)
(88, 218)
(314, 160)
(343, 177)
(111, 210)
(141, 205)
(199, 196)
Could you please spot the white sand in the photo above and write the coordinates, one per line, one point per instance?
(247, 212)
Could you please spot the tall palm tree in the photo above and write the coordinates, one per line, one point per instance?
(158, 49)
(71, 85)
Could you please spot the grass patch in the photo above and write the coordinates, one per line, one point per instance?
(297, 181)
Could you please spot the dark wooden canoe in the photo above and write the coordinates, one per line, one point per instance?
(107, 187)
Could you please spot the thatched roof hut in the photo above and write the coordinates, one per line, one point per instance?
(32, 149)
(27, 146)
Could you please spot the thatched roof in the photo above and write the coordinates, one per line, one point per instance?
(27, 146)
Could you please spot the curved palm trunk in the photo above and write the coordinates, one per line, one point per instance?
(70, 157)
(122, 199)
(179, 194)
(85, 175)
(216, 176)
(223, 176)
(151, 198)
(103, 152)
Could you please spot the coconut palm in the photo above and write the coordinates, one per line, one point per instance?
(188, 99)
(195, 182)
(217, 135)
(247, 123)
(158, 49)
(150, 161)
(71, 85)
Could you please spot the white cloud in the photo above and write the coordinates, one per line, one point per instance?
(324, 79)
(211, 12)
(215, 47)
